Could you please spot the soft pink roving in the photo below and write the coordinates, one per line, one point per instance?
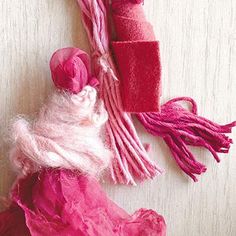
(66, 134)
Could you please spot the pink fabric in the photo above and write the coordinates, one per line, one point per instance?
(138, 87)
(131, 160)
(12, 222)
(62, 202)
(137, 56)
(70, 69)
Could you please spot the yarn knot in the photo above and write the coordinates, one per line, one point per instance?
(103, 61)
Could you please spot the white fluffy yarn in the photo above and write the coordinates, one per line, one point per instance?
(66, 134)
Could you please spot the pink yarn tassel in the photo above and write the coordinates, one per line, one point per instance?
(180, 128)
(130, 157)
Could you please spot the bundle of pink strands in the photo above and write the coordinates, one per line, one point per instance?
(131, 159)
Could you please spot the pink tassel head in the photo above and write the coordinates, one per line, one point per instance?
(70, 69)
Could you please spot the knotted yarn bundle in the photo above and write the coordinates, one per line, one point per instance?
(130, 158)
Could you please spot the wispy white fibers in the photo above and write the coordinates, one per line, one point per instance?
(66, 134)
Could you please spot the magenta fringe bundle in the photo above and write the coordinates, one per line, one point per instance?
(180, 128)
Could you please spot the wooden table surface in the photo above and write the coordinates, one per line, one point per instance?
(198, 51)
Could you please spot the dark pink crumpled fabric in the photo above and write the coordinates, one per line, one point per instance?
(63, 203)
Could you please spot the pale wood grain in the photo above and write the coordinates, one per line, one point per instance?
(198, 50)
